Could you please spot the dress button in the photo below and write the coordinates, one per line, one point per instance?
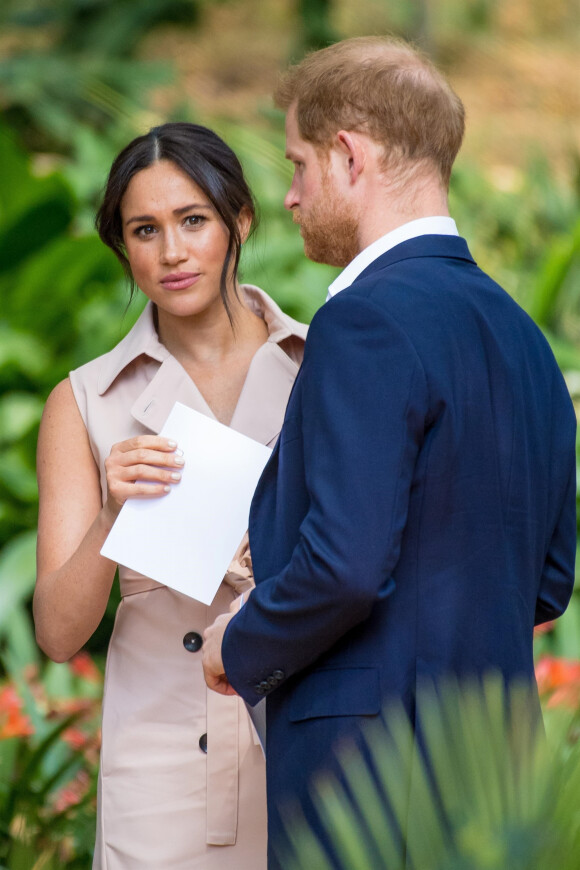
(279, 675)
(192, 641)
(203, 743)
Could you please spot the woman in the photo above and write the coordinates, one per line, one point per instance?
(182, 775)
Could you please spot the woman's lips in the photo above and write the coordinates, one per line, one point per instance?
(179, 280)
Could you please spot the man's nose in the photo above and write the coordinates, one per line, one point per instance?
(291, 198)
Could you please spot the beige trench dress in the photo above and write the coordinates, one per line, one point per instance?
(164, 802)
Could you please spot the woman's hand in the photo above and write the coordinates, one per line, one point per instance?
(142, 467)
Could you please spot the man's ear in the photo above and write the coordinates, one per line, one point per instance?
(244, 223)
(351, 146)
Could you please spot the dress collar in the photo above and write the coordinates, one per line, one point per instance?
(142, 339)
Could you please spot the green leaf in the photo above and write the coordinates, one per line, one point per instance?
(18, 632)
(561, 255)
(17, 476)
(19, 413)
(22, 350)
(17, 574)
(42, 222)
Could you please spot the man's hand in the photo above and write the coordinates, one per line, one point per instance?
(213, 666)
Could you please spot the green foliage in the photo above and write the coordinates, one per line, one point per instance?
(47, 277)
(48, 761)
(316, 28)
(73, 61)
(494, 794)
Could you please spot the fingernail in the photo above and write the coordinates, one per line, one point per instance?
(179, 460)
(166, 489)
(175, 475)
(172, 443)
(179, 452)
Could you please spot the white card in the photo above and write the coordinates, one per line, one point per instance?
(187, 539)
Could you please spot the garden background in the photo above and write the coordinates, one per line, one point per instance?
(78, 80)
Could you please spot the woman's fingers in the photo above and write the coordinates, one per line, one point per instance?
(147, 449)
(143, 467)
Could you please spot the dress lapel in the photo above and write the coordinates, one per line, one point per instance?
(260, 409)
(170, 384)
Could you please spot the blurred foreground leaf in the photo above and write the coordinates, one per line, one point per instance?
(493, 795)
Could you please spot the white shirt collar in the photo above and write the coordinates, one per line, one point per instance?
(438, 226)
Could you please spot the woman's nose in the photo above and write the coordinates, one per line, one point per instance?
(174, 248)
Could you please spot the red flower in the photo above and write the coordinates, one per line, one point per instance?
(75, 738)
(545, 627)
(83, 666)
(13, 723)
(72, 793)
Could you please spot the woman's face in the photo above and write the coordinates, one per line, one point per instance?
(175, 241)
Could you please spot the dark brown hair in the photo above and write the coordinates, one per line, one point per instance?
(211, 165)
(381, 86)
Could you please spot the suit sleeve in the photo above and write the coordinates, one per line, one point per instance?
(363, 401)
(557, 582)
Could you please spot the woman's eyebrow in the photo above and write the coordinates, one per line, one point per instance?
(144, 218)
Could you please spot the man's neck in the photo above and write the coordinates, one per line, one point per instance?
(386, 207)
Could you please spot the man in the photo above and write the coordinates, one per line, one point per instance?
(418, 514)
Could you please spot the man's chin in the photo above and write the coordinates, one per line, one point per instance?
(328, 258)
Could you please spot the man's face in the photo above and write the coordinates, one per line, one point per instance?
(327, 224)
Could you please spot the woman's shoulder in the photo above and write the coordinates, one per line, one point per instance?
(61, 406)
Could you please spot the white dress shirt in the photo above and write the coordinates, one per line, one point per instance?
(428, 226)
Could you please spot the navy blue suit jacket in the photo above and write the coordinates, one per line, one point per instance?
(417, 516)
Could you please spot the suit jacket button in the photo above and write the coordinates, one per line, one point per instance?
(259, 690)
(265, 685)
(203, 743)
(192, 641)
(279, 675)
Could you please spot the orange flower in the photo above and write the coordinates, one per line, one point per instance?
(83, 666)
(559, 681)
(13, 723)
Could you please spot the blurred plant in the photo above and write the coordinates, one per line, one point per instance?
(316, 29)
(63, 301)
(494, 793)
(72, 62)
(49, 745)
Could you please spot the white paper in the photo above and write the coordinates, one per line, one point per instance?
(257, 714)
(187, 539)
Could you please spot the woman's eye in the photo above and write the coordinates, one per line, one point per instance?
(194, 220)
(145, 230)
